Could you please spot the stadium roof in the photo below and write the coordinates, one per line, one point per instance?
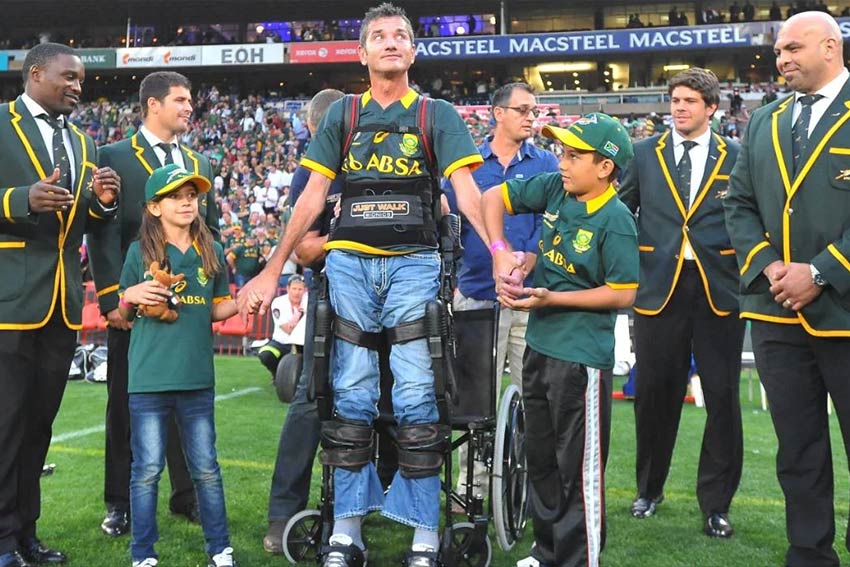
(100, 12)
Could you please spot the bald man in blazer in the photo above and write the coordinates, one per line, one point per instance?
(788, 212)
(687, 302)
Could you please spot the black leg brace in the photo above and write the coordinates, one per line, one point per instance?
(421, 449)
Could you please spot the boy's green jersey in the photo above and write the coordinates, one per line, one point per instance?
(583, 245)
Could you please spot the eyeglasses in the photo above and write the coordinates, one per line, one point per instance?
(295, 278)
(524, 110)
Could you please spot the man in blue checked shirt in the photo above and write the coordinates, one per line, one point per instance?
(508, 154)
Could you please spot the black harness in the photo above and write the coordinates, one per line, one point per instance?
(390, 212)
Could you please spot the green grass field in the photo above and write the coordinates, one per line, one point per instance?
(248, 429)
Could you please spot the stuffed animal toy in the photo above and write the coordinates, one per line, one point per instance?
(167, 311)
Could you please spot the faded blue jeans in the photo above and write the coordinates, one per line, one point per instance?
(149, 415)
(375, 293)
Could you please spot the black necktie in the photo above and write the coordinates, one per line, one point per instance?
(166, 147)
(60, 154)
(684, 168)
(800, 130)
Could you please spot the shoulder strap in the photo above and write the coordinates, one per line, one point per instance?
(350, 118)
(425, 122)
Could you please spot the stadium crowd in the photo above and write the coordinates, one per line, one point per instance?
(254, 144)
(428, 26)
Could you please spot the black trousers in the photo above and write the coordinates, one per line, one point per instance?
(33, 372)
(798, 371)
(270, 359)
(299, 436)
(567, 430)
(663, 347)
(116, 485)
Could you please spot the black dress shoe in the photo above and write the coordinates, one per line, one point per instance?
(13, 559)
(116, 523)
(718, 525)
(36, 552)
(191, 513)
(645, 507)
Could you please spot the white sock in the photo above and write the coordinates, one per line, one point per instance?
(425, 538)
(350, 529)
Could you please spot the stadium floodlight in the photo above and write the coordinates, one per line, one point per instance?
(565, 67)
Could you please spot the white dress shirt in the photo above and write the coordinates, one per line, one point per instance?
(153, 140)
(830, 93)
(699, 157)
(46, 131)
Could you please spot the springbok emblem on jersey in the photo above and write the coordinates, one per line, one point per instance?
(843, 175)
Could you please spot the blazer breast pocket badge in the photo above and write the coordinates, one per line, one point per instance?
(843, 175)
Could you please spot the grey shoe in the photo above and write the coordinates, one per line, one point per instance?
(421, 556)
(341, 552)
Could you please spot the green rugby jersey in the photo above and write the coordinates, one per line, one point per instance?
(389, 155)
(247, 259)
(583, 245)
(167, 357)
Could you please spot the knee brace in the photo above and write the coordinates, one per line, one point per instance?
(346, 444)
(421, 449)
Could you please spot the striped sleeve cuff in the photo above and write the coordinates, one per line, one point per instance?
(628, 285)
(506, 199)
(472, 161)
(316, 166)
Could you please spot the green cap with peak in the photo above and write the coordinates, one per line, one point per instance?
(596, 132)
(170, 178)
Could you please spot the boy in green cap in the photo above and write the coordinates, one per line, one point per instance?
(587, 269)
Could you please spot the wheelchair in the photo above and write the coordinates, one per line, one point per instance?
(463, 354)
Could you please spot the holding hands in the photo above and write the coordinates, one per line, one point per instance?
(509, 272)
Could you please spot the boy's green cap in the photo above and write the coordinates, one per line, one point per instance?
(596, 132)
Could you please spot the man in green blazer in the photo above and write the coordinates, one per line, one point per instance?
(687, 302)
(166, 102)
(52, 194)
(788, 213)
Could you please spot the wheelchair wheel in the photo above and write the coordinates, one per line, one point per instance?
(466, 551)
(510, 475)
(302, 536)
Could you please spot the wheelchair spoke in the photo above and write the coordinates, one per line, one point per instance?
(302, 535)
(469, 548)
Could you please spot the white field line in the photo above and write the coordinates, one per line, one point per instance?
(99, 428)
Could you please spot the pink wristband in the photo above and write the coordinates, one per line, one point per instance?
(497, 246)
(125, 304)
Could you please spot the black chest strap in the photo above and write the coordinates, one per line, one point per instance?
(424, 128)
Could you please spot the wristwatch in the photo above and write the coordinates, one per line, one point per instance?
(817, 278)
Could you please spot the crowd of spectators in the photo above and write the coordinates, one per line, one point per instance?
(255, 143)
(431, 26)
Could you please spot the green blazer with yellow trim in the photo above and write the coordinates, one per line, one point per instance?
(40, 253)
(135, 160)
(664, 226)
(773, 214)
